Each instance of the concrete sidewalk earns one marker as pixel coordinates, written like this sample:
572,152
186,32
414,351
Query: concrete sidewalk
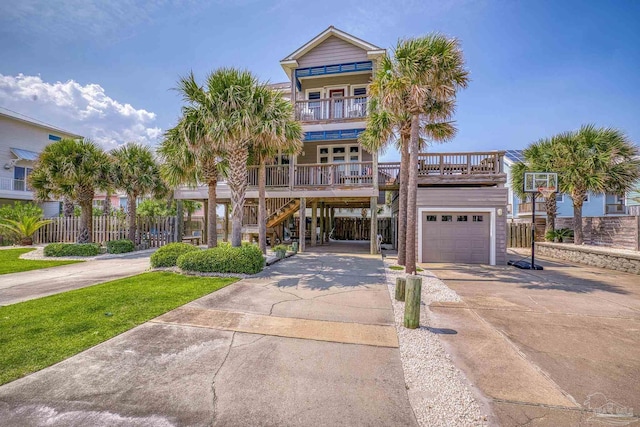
321,351
23,286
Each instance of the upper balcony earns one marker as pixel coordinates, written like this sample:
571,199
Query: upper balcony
350,108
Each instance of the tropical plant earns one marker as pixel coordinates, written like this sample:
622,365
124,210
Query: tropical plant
75,169
597,160
136,172
71,249
245,259
120,246
420,81
190,153
24,228
538,157
276,130
167,255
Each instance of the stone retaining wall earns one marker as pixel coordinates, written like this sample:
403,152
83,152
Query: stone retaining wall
621,260
608,231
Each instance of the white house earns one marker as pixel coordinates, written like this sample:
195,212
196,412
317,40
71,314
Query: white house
21,140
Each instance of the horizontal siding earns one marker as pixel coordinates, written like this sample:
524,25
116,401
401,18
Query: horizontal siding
471,198
332,51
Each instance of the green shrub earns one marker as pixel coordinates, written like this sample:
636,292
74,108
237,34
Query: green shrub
167,255
246,259
71,249
120,246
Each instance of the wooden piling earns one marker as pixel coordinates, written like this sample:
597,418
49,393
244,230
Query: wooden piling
412,302
401,284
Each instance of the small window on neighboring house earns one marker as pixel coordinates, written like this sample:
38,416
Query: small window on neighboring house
324,151
586,197
314,96
353,149
54,138
123,203
478,218
338,150
559,198
447,218
462,218
431,218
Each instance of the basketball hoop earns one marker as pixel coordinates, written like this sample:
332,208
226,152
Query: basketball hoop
546,191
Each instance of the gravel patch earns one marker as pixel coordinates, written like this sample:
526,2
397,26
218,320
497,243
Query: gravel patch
437,390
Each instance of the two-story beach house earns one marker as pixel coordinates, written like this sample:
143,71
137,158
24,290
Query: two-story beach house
462,201
594,204
21,140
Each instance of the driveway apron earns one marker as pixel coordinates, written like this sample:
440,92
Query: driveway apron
310,341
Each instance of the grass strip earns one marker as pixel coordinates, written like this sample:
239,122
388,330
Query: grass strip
38,333
11,263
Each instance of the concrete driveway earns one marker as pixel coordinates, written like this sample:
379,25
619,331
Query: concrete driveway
310,342
546,347
26,285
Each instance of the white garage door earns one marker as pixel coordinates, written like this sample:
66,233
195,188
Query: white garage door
456,237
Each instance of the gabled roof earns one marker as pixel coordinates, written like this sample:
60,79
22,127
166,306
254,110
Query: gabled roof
332,31
30,120
291,61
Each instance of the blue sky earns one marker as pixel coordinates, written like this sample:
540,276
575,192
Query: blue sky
106,69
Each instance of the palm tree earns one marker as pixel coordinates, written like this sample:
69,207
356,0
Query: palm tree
24,227
538,157
72,168
189,158
420,81
136,172
596,160
276,130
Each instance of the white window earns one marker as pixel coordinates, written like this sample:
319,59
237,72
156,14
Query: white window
559,197
339,153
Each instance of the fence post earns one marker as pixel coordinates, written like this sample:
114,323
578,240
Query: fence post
413,294
401,284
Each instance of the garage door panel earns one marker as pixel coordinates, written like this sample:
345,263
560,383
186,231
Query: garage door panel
458,240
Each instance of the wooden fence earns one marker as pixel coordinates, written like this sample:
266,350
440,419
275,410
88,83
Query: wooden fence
152,232
360,229
518,235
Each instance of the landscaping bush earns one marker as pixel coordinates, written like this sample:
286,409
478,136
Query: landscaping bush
167,255
246,259
71,249
120,246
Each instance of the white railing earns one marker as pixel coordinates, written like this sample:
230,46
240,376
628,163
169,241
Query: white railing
9,184
348,107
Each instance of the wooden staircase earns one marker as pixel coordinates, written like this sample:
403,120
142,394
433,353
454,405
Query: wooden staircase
283,212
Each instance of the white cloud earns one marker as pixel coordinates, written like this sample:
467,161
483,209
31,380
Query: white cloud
86,110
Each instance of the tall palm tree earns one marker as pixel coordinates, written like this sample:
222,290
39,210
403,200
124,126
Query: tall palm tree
420,80
596,160
276,130
190,158
75,169
136,172
538,157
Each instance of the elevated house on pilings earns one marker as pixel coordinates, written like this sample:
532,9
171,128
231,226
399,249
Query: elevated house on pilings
461,200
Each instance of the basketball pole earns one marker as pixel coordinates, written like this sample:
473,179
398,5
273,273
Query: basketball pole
533,232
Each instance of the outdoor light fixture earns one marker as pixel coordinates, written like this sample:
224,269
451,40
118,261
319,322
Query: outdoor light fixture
499,212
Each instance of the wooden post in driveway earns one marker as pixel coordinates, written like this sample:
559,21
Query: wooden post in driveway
303,224
226,223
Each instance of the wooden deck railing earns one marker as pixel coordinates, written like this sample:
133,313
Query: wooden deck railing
459,163
348,107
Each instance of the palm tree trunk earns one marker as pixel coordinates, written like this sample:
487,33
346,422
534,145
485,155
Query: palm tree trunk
131,218
551,208
412,191
107,204
67,207
578,200
402,200
238,185
262,207
212,220
85,200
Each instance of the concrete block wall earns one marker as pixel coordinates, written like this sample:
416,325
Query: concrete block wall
627,262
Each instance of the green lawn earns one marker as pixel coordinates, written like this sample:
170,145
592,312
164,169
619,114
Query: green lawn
10,263
399,267
38,333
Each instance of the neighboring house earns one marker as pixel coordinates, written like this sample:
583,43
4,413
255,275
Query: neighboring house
594,204
462,201
21,140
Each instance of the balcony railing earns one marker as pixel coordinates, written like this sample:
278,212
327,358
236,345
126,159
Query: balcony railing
14,184
459,163
350,107
315,175
526,207
615,208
